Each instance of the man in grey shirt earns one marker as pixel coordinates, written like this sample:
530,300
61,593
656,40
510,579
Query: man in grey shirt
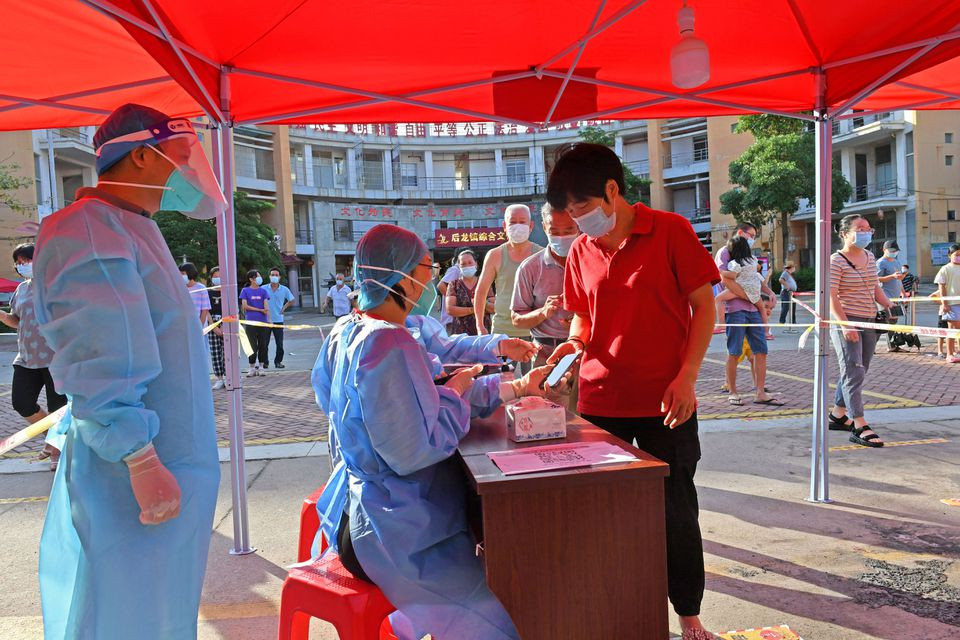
889,272
537,302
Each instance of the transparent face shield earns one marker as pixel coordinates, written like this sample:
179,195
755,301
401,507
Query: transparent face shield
191,187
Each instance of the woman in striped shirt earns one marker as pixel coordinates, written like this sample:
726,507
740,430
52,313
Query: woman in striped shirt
854,295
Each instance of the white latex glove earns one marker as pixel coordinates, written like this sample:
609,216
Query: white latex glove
462,380
154,487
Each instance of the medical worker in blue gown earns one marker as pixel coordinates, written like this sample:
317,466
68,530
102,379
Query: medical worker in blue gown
394,507
124,545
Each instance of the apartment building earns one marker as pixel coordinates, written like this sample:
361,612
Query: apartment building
66,154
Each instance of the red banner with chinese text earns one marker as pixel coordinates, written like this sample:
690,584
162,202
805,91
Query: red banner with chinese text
479,236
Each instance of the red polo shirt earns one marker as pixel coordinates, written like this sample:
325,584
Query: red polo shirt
637,298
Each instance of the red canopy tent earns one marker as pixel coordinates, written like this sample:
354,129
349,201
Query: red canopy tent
533,62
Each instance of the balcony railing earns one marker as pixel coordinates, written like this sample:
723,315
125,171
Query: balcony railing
696,216
685,159
878,190
303,236
639,167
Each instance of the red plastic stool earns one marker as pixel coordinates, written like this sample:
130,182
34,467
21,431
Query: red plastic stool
326,590
309,524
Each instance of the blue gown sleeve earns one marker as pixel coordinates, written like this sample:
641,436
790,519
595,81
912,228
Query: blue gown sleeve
412,423
484,395
96,318
457,349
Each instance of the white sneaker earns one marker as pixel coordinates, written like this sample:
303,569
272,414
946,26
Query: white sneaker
253,372
218,384
260,371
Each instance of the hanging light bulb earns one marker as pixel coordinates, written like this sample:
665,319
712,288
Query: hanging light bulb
689,58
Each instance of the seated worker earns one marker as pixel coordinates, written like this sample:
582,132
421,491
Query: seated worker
394,507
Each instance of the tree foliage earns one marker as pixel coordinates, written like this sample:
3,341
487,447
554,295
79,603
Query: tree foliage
776,172
10,184
638,188
196,240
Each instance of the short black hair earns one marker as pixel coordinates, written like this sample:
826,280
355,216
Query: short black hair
277,269
253,273
743,226
581,171
190,270
24,251
906,266
954,248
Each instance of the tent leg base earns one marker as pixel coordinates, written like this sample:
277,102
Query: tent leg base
243,552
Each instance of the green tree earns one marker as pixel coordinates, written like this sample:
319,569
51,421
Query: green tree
197,239
10,184
638,188
775,172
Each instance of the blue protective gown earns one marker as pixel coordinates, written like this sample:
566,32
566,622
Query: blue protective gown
129,353
393,433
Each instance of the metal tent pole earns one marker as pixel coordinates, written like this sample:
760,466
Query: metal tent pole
52,169
226,245
819,468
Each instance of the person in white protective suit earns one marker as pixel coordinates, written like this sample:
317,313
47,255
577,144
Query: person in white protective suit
124,545
394,507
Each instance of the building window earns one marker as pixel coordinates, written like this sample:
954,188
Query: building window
948,138
733,128
951,214
951,236
516,171
408,174
342,230
948,160
700,149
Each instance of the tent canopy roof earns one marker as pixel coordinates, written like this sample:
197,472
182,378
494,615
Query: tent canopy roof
69,62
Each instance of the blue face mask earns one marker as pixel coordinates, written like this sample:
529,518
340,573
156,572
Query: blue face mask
25,270
258,280
179,195
427,299
468,272
864,238
215,281
749,240
597,223
560,245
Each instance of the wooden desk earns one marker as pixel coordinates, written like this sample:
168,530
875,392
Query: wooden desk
574,554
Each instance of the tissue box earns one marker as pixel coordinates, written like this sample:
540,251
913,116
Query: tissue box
535,419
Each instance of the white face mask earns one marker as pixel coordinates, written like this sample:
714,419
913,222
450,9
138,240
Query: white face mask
597,223
468,272
518,233
185,278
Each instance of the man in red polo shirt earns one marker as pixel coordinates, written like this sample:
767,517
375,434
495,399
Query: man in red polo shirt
640,285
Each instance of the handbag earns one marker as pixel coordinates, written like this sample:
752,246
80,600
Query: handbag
881,317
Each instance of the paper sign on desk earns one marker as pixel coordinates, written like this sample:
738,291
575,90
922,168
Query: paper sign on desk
558,456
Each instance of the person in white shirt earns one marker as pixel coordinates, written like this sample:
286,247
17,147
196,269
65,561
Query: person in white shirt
337,296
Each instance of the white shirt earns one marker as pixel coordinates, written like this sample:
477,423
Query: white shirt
341,303
451,276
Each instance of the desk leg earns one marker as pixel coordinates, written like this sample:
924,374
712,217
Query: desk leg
580,562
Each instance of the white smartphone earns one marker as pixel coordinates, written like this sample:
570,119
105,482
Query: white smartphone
560,369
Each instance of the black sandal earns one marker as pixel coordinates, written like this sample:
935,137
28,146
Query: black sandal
866,441
839,424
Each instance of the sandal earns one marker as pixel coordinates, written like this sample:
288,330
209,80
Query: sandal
697,634
839,424
872,440
735,400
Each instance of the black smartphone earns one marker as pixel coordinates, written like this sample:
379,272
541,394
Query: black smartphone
560,369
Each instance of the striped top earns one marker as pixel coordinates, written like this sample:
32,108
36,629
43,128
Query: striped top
856,288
